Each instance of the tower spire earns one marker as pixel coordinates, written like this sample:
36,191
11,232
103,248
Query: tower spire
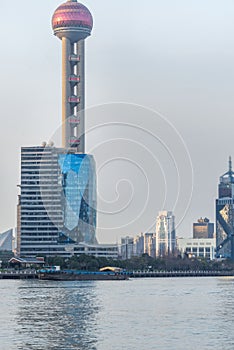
230,164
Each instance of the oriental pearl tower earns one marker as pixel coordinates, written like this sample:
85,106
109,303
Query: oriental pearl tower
72,22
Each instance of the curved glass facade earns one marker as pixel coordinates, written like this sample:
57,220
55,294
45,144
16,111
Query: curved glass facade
78,196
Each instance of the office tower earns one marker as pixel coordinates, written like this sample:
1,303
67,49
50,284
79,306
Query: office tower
57,203
6,241
224,215
150,244
127,247
203,228
139,245
165,234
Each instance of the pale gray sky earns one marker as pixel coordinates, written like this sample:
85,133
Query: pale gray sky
173,56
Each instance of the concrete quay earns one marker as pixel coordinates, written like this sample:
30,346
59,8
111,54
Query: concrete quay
164,274
18,275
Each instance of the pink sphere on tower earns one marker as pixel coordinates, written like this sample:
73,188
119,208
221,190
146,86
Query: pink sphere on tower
72,20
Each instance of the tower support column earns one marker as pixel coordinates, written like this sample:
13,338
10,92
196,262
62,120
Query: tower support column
66,90
81,94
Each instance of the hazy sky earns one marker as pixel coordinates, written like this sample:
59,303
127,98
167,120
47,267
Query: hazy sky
173,56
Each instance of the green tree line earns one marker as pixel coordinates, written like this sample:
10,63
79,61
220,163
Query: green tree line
143,263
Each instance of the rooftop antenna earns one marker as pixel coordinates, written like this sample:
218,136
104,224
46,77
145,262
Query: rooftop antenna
230,168
230,164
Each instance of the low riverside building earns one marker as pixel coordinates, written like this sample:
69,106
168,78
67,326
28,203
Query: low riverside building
27,263
97,250
197,247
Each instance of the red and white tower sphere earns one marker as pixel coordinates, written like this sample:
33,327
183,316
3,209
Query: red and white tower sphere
72,22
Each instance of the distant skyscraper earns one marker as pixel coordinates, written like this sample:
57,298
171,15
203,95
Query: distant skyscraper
225,215
57,203
165,234
139,245
150,244
6,241
127,247
203,228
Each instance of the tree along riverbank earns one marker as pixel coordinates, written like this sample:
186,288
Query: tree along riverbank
143,263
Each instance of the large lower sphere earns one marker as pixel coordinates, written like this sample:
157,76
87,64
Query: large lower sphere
72,20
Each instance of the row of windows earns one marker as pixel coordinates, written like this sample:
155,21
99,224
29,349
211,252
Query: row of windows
195,250
34,217
38,160
41,242
35,230
34,250
38,224
199,244
27,237
39,211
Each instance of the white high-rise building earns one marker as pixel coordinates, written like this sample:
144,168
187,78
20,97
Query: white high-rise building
149,244
165,234
127,247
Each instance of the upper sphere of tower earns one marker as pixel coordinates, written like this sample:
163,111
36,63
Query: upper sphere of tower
72,20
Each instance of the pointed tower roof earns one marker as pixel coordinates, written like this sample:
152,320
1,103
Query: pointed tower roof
229,175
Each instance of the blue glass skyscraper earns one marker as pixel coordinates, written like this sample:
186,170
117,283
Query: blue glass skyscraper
57,206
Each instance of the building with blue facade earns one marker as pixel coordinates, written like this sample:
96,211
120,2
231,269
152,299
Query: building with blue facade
57,203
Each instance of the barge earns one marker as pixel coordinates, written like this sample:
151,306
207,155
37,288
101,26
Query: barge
70,275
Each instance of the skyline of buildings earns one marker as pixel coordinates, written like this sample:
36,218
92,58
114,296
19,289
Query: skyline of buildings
45,95
146,243
73,138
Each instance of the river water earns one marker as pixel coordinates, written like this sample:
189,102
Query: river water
140,314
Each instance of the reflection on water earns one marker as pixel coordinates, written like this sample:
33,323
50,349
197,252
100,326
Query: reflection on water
38,315
56,315
141,314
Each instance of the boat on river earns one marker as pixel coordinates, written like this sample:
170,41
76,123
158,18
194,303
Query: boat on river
74,275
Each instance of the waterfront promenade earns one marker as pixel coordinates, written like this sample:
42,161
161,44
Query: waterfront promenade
18,275
33,274
165,274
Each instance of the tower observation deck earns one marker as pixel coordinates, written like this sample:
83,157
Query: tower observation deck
72,22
